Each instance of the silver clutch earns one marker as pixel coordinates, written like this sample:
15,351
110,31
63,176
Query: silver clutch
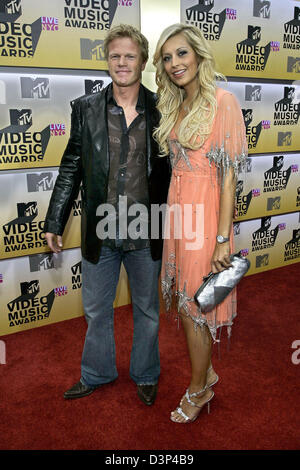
216,287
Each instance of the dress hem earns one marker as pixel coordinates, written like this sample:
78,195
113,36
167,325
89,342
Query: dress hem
198,321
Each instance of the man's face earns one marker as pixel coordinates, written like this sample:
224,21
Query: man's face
125,62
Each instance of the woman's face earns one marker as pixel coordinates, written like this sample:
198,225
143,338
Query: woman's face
180,61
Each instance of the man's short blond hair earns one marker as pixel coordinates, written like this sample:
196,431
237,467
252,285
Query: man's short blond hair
127,31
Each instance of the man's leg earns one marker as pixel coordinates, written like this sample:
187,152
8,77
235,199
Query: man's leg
99,283
143,275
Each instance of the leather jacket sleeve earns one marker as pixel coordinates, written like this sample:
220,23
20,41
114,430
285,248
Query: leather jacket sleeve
69,177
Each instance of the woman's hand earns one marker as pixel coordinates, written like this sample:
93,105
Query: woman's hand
221,257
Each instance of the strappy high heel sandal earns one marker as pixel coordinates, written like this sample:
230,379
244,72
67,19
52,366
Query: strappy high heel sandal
208,385
188,397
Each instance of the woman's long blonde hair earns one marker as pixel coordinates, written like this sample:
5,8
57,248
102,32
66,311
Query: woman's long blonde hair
196,126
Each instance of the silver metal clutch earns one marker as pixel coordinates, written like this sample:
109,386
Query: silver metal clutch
216,287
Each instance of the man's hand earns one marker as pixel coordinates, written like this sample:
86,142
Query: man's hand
220,259
54,242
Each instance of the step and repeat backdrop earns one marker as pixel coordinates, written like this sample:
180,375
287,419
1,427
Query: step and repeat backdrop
256,44
44,288
250,38
60,33
52,53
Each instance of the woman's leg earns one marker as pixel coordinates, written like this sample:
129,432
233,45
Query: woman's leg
199,344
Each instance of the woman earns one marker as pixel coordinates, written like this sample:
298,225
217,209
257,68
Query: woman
202,128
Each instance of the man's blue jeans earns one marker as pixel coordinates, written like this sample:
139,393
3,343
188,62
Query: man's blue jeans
99,283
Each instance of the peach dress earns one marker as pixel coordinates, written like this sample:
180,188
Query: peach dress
193,213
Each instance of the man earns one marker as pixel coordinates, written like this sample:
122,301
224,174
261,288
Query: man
112,155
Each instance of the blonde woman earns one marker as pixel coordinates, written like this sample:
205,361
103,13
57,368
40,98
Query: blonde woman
202,128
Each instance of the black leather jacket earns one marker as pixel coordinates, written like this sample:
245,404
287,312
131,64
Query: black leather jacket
85,164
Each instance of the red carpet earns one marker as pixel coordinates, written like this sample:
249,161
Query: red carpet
256,404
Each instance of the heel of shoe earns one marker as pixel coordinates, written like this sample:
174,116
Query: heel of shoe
208,403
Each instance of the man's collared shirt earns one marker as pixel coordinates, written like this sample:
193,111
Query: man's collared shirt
128,182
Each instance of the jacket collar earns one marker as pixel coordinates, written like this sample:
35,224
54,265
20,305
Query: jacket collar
140,105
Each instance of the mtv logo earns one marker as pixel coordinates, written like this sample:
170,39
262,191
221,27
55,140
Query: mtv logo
297,13
90,49
262,260
248,165
278,162
296,234
26,213
296,84
239,187
41,262
254,33
236,229
35,87
40,182
261,8
265,223
27,209
284,138
273,203
206,3
10,10
30,287
10,7
293,64
93,86
248,116
21,117
289,93
253,93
